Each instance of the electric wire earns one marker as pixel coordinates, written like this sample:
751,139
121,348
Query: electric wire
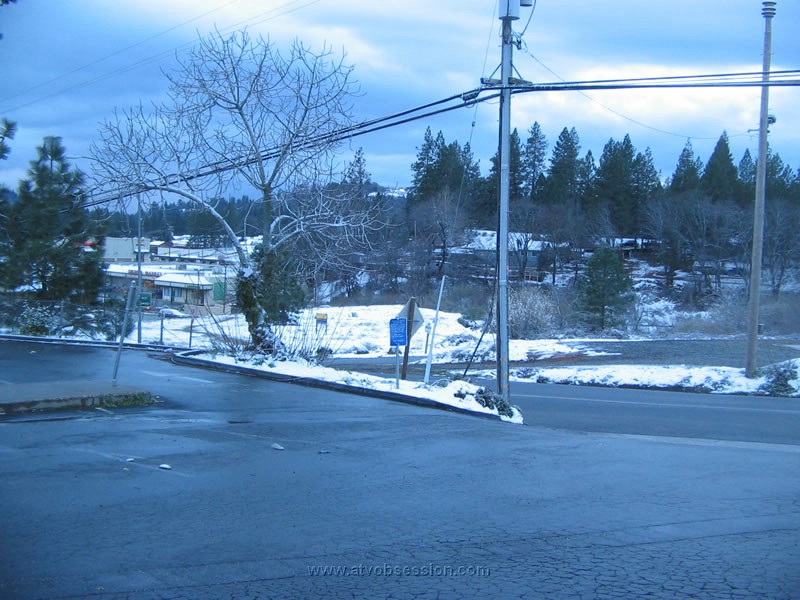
606,107
467,99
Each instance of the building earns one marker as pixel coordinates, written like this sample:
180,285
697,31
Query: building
125,249
189,287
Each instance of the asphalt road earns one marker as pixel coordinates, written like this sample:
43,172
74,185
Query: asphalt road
729,352
374,499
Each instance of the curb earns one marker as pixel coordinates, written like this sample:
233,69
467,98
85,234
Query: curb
33,397
187,358
78,342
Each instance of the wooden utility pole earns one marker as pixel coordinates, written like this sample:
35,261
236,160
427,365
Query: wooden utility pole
412,304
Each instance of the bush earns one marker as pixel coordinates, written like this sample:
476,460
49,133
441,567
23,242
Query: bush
533,312
38,319
489,399
726,314
782,379
97,322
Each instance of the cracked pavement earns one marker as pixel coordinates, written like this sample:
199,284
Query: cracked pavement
372,499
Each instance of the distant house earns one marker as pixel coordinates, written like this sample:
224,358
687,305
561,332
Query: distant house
173,284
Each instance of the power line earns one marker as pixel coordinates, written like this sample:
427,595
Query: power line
466,99
359,129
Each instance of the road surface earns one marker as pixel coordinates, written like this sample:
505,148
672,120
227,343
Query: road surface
373,499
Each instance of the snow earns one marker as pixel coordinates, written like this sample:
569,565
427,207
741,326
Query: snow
363,332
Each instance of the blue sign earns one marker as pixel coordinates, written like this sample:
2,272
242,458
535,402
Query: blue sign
398,332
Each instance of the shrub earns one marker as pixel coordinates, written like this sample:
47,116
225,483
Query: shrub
533,312
782,379
489,399
38,319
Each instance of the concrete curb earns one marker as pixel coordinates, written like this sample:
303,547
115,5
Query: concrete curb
77,342
43,398
188,358
20,398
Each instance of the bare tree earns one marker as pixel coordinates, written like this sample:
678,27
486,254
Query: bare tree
662,224
781,242
242,113
439,227
524,220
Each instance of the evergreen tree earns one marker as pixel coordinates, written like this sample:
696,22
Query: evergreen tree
746,180
687,172
533,166
423,184
562,186
356,173
719,180
605,289
280,296
646,186
587,174
780,176
7,131
441,166
516,181
614,185
56,248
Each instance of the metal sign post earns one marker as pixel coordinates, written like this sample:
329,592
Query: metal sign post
128,306
398,336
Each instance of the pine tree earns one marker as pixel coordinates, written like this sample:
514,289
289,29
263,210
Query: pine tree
614,185
426,158
7,131
780,176
49,231
562,186
746,180
516,180
356,173
533,165
440,167
605,289
646,186
687,173
719,180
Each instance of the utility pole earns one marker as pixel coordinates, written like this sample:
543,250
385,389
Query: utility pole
509,11
768,11
139,267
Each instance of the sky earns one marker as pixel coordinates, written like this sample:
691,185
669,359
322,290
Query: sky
67,66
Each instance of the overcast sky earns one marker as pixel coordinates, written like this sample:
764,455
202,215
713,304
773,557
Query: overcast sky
67,65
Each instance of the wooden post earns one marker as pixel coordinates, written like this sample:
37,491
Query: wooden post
412,303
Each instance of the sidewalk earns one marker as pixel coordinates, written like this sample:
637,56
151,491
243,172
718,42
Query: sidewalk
52,395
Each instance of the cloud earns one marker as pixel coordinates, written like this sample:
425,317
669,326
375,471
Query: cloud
68,65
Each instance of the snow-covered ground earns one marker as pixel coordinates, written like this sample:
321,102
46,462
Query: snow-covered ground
363,332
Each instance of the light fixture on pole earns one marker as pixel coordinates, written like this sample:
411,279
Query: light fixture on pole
768,11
